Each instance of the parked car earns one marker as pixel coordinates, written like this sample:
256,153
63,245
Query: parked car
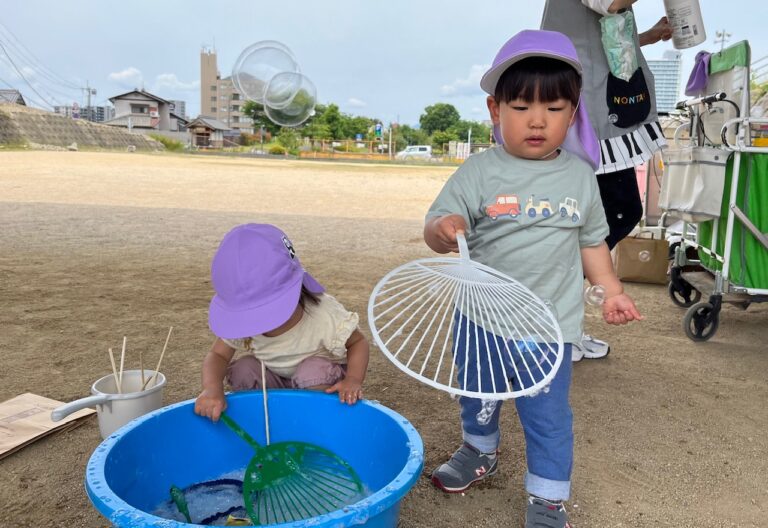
415,152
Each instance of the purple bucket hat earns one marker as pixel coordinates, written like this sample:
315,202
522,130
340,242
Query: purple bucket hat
581,139
257,277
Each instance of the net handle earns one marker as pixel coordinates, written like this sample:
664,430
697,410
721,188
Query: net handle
463,248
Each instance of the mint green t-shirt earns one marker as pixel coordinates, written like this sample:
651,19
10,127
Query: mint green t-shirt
529,219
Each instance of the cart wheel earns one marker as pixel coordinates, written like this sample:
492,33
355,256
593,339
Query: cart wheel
684,297
701,321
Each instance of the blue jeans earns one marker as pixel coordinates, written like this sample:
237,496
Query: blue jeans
546,418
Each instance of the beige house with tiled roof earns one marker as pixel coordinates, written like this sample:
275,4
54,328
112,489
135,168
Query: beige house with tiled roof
12,96
207,132
144,111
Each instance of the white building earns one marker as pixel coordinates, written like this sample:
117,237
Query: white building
179,108
666,72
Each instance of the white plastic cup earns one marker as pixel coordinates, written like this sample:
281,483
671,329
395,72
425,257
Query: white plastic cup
687,25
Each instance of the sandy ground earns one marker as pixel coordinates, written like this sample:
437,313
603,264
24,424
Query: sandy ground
97,246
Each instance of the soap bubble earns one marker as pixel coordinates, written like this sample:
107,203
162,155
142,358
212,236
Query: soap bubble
290,99
644,256
282,89
595,295
258,64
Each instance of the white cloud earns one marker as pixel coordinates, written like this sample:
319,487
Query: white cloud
169,80
9,71
130,77
470,85
356,103
478,110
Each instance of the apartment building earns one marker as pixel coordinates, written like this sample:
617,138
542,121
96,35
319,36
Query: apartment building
666,72
179,108
218,97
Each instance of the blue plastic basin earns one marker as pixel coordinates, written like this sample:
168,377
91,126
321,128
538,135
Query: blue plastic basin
131,471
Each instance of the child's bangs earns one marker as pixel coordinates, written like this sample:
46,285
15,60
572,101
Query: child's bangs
539,79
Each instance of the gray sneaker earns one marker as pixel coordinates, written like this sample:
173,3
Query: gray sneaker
542,513
590,348
466,466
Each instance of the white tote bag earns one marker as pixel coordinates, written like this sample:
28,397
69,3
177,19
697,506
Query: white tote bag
692,186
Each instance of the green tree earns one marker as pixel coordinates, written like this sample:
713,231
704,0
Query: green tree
480,132
259,117
289,138
411,136
441,138
332,117
439,116
359,125
316,130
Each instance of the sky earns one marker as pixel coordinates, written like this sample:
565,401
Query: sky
385,60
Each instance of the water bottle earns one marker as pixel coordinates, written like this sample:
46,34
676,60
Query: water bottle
687,25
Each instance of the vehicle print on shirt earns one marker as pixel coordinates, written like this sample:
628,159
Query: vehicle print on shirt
570,207
506,204
543,207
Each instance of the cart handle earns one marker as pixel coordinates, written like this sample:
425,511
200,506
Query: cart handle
744,122
706,99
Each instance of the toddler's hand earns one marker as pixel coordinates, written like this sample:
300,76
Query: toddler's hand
350,390
620,309
446,229
211,404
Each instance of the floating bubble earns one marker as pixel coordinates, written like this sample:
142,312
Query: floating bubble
290,99
282,89
258,64
594,295
644,256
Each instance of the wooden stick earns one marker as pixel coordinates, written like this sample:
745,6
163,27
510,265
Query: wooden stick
157,369
264,397
114,370
122,362
141,367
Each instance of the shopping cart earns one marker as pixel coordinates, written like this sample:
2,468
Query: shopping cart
717,184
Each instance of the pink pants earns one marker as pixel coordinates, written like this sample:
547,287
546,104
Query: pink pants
245,374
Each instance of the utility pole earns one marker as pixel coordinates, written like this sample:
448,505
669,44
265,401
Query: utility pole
469,141
89,92
229,107
722,37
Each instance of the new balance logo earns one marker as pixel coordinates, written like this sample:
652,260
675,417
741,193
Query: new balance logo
481,471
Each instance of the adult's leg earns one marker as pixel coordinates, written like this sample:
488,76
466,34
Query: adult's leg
622,204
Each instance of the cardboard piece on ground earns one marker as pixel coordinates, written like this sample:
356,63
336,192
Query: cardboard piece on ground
27,418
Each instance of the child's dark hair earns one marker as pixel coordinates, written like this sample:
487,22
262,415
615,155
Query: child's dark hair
539,79
307,297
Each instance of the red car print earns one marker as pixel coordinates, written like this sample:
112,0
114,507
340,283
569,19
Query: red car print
506,204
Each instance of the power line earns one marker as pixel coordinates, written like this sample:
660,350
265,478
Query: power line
9,85
50,91
43,69
22,76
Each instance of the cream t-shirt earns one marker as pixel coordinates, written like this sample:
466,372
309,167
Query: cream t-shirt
323,331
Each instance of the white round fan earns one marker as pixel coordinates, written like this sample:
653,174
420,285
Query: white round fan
424,316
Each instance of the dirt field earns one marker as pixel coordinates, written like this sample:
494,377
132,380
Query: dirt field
97,246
